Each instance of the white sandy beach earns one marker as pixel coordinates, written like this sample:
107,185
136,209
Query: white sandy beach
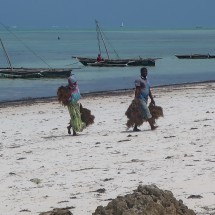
67,171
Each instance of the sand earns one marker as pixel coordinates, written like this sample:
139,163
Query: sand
42,167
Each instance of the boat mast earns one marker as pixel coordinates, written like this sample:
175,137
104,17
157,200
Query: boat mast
98,38
7,57
100,33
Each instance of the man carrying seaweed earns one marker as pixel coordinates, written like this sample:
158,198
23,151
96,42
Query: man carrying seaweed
142,92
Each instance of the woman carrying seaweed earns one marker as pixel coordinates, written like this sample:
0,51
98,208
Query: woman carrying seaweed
69,96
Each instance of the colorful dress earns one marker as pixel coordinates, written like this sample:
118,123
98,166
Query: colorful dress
74,109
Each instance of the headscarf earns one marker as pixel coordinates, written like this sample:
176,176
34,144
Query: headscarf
72,80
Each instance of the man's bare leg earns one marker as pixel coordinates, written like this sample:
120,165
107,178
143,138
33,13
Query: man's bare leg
151,123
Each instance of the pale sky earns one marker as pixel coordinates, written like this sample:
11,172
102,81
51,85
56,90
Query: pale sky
111,13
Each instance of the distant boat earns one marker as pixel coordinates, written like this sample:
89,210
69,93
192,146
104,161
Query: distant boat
26,73
195,56
116,63
108,62
12,72
122,25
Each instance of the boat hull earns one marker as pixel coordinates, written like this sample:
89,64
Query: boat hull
195,56
34,73
116,62
101,64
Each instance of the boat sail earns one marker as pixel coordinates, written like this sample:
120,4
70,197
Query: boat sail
108,62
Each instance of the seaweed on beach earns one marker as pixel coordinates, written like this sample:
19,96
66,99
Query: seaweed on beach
135,117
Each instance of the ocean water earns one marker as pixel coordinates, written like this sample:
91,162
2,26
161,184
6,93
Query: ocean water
41,48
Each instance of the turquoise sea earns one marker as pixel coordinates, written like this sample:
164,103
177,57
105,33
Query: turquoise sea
26,48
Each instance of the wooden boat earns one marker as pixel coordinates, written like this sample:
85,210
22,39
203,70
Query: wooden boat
195,56
108,62
34,73
116,62
105,64
26,73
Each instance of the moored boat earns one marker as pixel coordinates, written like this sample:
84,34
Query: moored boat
26,73
116,62
105,64
12,72
195,56
108,62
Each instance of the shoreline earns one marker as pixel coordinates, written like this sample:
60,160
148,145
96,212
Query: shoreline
91,94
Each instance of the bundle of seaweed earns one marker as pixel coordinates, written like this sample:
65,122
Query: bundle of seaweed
86,116
135,117
156,111
62,95
133,114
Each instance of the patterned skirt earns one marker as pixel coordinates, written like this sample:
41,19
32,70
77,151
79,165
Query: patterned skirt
75,117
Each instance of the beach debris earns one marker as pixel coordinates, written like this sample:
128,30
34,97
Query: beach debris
108,179
148,199
188,155
58,211
88,168
209,160
134,115
125,140
194,197
22,158
101,190
14,146
27,152
25,210
135,161
169,136
63,201
115,152
12,173
108,199
36,180
169,157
